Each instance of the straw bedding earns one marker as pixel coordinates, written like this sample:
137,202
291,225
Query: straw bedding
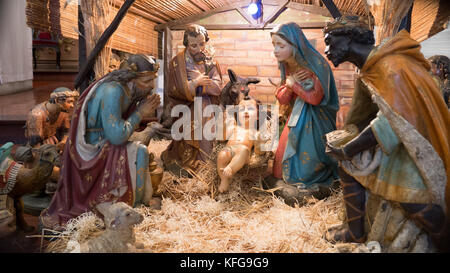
194,218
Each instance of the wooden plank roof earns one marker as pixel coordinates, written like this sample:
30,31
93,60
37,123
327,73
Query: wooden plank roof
60,16
169,10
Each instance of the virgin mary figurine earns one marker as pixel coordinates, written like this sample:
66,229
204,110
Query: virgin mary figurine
308,88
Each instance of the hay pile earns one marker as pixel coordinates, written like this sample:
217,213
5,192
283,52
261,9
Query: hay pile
194,218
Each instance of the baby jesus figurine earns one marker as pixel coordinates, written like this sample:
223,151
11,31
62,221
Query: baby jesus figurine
242,137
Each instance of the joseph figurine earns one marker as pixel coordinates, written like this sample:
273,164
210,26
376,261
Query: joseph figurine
192,74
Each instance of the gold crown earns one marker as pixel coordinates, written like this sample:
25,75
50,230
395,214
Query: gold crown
133,67
346,21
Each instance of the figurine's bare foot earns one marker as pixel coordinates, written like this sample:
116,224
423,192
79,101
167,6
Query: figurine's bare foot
228,172
224,184
342,234
220,172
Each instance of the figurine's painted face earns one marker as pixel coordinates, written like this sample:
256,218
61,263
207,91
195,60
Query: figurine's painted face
67,105
337,48
436,69
145,83
282,49
248,111
196,47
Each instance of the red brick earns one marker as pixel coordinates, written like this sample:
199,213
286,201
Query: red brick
347,84
214,34
345,92
234,34
269,61
248,61
232,53
223,43
258,35
225,60
268,71
344,75
259,54
265,90
253,45
244,70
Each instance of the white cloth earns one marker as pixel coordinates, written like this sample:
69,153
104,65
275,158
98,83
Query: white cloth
16,55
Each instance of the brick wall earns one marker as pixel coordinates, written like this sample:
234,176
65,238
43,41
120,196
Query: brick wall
250,54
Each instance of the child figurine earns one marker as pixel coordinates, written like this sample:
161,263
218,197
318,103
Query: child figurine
239,146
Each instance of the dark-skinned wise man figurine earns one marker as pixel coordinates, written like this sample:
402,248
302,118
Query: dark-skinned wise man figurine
400,126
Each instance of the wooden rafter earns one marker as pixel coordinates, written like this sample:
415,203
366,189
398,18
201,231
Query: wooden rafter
88,65
180,23
200,16
156,17
304,25
309,8
272,17
247,17
199,4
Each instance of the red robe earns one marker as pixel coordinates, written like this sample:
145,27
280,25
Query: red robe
84,184
286,95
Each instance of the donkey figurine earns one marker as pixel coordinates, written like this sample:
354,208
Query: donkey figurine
236,89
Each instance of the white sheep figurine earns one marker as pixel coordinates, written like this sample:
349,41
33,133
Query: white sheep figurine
119,235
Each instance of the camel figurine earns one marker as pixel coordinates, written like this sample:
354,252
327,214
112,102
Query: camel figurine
23,181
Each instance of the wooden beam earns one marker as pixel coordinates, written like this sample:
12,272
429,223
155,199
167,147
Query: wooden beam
334,11
309,8
271,2
200,5
272,17
191,19
313,9
82,47
305,25
247,17
88,66
147,14
167,58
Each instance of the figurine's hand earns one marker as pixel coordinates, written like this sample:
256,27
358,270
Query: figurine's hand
149,105
336,153
203,81
60,146
302,75
51,140
290,81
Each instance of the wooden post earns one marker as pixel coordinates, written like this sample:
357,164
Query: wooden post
81,47
167,58
87,68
